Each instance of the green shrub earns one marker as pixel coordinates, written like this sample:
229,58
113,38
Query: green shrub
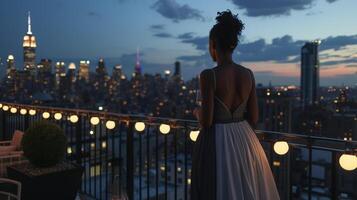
44,144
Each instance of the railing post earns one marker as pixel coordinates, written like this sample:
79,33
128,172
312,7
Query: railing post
79,141
26,122
334,180
3,124
310,169
130,161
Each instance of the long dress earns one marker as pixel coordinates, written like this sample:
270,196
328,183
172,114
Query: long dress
229,162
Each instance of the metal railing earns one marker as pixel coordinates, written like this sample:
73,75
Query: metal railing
150,158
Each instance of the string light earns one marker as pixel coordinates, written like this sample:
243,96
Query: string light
348,162
58,116
281,147
23,111
139,126
194,135
46,115
110,124
73,118
164,128
5,108
32,112
0,105
13,110
94,120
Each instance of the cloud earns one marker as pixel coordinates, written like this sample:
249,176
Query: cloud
157,27
200,43
258,8
163,35
176,12
186,36
338,42
336,62
284,49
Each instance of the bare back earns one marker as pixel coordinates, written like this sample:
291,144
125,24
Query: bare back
233,86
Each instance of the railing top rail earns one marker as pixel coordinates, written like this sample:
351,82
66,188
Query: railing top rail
191,124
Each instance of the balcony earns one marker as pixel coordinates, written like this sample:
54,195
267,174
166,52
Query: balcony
150,158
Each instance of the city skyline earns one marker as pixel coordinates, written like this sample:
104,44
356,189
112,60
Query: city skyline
276,61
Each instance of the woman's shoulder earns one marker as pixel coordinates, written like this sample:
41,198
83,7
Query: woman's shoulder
246,71
206,72
243,68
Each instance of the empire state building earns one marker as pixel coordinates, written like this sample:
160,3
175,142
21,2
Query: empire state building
29,45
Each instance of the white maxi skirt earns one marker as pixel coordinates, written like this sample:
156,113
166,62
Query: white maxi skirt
242,168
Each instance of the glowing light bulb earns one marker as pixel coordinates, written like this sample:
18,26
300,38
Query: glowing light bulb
58,116
23,111
348,162
164,128
32,112
94,120
194,135
13,110
46,115
5,108
139,126
281,147
110,124
73,118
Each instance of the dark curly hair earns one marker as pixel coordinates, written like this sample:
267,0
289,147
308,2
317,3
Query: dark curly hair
226,31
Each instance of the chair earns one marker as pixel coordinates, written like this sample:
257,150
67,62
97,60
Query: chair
10,189
13,144
10,152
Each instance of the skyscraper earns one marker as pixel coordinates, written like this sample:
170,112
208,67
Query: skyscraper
177,69
83,73
310,67
101,70
29,45
45,66
11,70
71,73
60,73
137,70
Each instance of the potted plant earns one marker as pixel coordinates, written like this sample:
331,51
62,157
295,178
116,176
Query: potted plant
47,175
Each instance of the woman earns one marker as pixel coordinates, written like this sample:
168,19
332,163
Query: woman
229,163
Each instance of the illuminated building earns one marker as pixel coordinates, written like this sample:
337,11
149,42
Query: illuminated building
83,73
11,69
60,73
44,76
45,66
101,70
114,82
117,72
310,68
29,46
137,70
71,73
101,78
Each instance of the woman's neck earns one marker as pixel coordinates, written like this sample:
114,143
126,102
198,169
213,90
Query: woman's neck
224,59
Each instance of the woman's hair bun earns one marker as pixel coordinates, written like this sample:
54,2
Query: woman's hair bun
230,21
227,30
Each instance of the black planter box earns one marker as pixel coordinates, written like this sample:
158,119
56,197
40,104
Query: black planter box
60,183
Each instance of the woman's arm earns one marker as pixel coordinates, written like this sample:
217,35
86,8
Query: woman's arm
205,114
252,105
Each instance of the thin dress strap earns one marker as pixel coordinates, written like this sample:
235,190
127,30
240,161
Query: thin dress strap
214,80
